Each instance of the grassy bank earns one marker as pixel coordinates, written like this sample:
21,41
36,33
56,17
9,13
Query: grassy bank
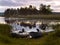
49,39
51,17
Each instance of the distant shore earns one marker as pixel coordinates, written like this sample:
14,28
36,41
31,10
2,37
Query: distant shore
36,17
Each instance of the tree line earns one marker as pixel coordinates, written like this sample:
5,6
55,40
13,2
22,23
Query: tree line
43,9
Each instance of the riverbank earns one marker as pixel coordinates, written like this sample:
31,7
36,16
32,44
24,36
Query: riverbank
45,17
47,39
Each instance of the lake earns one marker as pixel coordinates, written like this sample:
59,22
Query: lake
39,21
2,20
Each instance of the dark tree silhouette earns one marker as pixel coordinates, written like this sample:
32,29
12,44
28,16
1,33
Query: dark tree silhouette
45,9
31,10
7,12
30,7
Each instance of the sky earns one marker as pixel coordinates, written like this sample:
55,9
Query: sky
4,4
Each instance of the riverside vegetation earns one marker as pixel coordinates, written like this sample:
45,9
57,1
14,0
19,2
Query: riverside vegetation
52,38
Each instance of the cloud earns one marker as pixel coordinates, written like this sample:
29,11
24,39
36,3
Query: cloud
9,3
21,2
55,4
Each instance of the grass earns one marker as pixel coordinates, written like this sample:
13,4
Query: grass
50,39
51,17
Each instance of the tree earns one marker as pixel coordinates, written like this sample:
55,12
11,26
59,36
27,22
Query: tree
45,9
7,12
30,7
49,10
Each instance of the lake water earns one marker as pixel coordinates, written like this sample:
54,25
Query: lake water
51,22
2,20
18,27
